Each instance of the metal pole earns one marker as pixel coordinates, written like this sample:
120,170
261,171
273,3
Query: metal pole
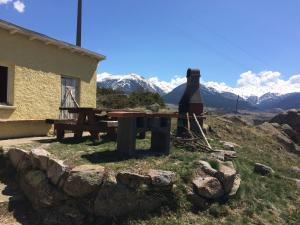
79,23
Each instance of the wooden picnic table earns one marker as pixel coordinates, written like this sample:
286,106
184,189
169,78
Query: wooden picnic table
87,120
130,123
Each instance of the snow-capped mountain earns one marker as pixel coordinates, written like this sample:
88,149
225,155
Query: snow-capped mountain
129,83
214,94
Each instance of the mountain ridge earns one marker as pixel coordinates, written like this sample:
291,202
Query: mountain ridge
212,96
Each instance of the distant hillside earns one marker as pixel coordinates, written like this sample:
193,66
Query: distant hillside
211,98
287,101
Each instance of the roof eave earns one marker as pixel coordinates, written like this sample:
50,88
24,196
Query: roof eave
14,29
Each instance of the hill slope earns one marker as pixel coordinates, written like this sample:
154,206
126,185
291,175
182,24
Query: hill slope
211,98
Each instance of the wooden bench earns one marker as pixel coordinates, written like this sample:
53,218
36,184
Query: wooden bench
109,127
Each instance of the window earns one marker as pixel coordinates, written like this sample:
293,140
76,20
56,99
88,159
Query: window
3,84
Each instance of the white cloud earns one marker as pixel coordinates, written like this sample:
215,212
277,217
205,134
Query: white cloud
3,2
251,83
19,6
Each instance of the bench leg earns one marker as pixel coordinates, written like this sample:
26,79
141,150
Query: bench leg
126,139
78,134
60,134
112,133
161,135
95,135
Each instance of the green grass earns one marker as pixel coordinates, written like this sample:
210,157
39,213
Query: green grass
260,199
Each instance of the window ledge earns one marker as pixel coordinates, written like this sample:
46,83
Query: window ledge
8,107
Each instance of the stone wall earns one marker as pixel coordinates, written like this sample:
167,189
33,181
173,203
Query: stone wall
86,193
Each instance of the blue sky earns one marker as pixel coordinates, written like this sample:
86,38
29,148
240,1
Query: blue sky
162,38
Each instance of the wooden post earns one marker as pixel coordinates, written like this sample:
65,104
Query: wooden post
237,103
126,136
161,135
201,131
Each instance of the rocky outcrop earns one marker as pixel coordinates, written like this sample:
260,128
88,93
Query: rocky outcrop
290,121
79,195
211,184
276,130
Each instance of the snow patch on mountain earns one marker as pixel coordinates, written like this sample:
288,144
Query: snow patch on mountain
129,83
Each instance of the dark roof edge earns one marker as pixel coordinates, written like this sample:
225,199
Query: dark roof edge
12,28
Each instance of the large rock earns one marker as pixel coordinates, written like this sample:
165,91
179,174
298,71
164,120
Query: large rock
236,185
289,131
57,171
263,169
208,187
63,215
132,179
39,158
84,180
275,130
205,168
226,175
290,117
40,193
18,158
197,201
118,200
161,178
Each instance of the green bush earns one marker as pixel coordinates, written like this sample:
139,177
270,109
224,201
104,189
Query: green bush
116,99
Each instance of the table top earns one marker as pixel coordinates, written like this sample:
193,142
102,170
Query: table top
126,114
82,110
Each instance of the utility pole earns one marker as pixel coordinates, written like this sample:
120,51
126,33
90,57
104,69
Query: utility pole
237,104
79,23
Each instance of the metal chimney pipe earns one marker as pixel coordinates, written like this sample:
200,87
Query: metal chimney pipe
79,23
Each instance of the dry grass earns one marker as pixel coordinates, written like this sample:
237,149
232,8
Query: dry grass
260,200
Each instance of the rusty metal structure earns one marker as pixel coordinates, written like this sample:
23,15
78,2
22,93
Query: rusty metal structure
191,103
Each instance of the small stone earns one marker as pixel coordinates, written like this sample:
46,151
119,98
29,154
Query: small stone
154,107
224,155
84,180
208,187
56,170
229,145
263,169
39,158
132,179
160,178
295,170
236,185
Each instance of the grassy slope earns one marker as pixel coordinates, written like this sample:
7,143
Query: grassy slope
260,200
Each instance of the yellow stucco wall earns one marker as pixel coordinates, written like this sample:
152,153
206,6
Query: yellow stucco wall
35,79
